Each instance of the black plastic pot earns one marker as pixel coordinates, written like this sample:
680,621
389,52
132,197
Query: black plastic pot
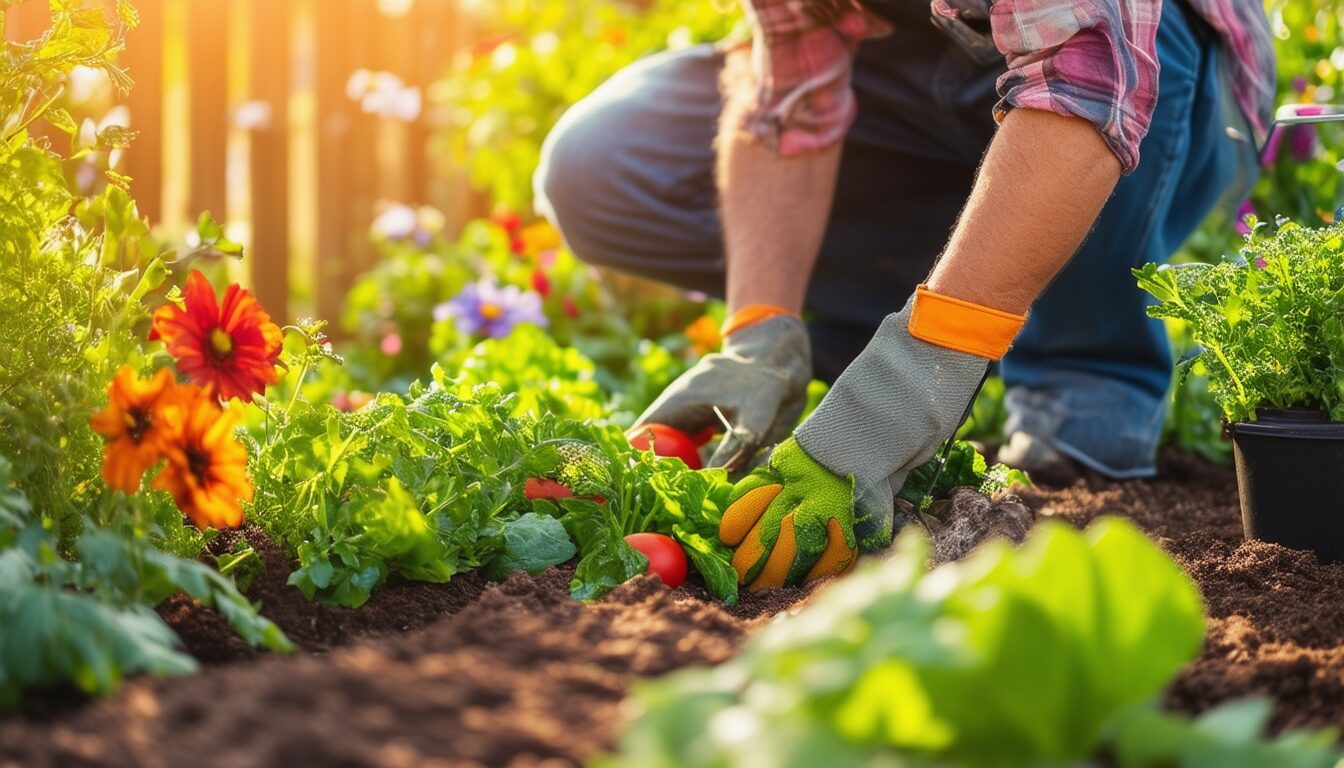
1290,475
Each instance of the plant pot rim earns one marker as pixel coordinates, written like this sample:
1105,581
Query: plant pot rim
1291,424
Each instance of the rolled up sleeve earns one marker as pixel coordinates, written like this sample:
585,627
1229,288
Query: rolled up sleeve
1096,60
801,72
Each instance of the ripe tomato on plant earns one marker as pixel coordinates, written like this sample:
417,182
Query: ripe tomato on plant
544,488
667,441
666,557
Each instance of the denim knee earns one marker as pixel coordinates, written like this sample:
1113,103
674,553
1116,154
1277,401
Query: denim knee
576,158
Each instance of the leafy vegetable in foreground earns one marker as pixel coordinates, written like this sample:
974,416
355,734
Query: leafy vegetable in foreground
1048,655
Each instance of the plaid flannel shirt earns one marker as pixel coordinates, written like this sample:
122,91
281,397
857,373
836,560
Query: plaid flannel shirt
1093,59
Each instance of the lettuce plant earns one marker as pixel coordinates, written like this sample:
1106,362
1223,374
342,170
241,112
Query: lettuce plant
1051,655
1270,320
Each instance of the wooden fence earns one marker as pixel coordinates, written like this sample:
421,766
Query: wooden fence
299,177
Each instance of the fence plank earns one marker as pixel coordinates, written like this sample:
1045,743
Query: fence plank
364,136
437,29
393,51
207,24
144,60
334,118
269,82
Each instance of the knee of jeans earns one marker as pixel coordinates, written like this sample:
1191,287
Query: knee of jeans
573,180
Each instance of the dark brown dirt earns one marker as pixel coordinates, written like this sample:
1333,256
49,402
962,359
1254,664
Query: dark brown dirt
522,676
470,674
397,606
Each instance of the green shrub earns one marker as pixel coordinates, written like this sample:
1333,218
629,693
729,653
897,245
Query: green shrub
1270,320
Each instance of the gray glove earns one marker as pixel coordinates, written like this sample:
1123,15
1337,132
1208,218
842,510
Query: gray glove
888,413
759,380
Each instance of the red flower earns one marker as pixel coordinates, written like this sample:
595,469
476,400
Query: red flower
507,220
231,348
571,308
541,284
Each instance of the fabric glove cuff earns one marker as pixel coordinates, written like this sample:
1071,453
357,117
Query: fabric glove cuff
751,315
961,325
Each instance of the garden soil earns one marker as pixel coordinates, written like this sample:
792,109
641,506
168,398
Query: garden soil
517,674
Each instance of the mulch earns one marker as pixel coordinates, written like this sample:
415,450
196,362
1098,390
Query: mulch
517,674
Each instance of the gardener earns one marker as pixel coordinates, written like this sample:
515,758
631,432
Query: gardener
824,175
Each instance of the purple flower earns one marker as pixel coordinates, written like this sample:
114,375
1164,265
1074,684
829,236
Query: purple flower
491,310
1302,142
1245,210
1260,262
1300,85
1302,138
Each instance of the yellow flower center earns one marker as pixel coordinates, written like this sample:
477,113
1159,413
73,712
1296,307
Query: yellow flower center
491,311
221,343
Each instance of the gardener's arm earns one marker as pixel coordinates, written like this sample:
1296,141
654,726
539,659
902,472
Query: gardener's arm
774,207
1040,188
1081,87
788,105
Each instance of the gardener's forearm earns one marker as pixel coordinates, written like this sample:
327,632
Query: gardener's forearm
774,212
1040,188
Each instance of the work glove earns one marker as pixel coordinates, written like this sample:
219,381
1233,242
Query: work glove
827,493
758,380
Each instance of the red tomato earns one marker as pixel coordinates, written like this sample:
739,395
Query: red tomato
541,488
667,441
666,557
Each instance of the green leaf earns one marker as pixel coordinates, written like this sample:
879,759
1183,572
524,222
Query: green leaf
533,543
52,635
606,561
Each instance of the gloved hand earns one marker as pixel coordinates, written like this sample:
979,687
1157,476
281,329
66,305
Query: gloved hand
792,520
759,380
891,409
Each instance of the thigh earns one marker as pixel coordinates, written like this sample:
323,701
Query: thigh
627,174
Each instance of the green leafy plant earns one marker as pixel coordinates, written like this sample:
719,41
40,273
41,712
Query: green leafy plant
429,484
963,467
534,61
1269,320
81,566
1053,654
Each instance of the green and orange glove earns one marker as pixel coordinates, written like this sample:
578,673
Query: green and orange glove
792,520
758,381
827,493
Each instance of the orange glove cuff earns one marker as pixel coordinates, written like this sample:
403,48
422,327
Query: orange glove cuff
750,315
963,326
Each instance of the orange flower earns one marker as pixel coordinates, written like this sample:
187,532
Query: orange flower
704,334
231,349
206,471
133,423
539,237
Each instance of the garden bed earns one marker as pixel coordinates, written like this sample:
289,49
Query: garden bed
471,673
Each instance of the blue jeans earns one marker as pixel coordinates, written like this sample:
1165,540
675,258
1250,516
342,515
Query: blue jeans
627,175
